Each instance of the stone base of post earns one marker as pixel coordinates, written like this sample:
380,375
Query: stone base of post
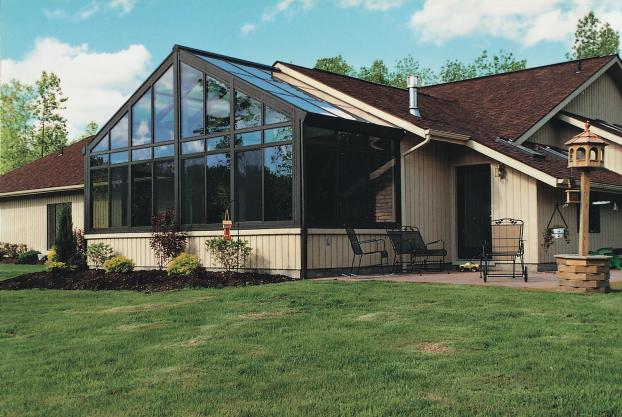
587,274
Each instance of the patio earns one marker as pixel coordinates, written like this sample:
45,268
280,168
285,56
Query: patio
537,280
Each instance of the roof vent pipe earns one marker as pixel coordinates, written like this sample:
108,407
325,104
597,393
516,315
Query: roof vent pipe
412,92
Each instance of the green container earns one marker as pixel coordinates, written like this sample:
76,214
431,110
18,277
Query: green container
614,262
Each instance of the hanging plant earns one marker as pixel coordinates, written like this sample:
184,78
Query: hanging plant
552,233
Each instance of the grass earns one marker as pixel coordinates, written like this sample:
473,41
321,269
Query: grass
313,348
12,270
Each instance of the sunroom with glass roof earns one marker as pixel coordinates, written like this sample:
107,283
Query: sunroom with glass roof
205,134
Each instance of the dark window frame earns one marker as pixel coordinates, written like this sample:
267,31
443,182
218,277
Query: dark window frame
53,210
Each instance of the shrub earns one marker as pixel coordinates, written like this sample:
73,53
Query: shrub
20,249
29,257
185,264
51,266
65,243
119,264
230,254
79,259
166,240
98,253
3,251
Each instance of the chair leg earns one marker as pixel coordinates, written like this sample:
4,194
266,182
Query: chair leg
352,266
358,270
513,267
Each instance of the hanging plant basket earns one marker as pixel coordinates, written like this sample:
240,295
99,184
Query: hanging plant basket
554,232
559,232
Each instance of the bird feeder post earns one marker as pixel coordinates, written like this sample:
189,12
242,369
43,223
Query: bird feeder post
584,272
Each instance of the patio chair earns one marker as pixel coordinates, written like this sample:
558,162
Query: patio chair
358,250
506,245
408,241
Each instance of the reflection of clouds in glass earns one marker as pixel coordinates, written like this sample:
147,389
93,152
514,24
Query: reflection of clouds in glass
143,129
217,107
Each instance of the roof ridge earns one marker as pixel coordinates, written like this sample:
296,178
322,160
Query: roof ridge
224,57
612,56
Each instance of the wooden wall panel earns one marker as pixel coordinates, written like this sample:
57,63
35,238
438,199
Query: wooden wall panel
601,100
24,219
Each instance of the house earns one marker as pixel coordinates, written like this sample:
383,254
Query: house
295,154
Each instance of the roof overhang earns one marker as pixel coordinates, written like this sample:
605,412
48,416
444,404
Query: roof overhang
42,191
579,121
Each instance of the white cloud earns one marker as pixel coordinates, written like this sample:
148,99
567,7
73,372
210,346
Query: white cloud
96,83
248,28
381,5
288,7
527,22
125,6
88,10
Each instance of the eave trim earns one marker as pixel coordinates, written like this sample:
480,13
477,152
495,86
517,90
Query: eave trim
43,190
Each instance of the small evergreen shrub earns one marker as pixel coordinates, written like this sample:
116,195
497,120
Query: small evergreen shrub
167,240
65,243
230,254
29,257
98,253
119,264
51,266
184,264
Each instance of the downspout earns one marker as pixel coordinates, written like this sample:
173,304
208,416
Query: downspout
426,139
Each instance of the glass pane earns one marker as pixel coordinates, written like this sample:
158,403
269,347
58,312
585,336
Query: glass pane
163,151
163,106
194,146
141,120
99,198
278,183
280,134
218,186
193,191
247,111
118,134
51,223
118,196
304,105
248,138
164,187
218,106
219,142
118,157
248,185
191,101
141,194
141,154
272,116
102,145
97,160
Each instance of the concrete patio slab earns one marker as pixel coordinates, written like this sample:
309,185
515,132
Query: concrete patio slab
537,280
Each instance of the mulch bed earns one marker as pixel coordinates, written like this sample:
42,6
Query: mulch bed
147,281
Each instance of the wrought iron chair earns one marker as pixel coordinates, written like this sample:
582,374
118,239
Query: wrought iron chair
506,245
409,241
357,250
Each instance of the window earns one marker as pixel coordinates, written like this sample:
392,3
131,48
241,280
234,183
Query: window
218,185
280,134
99,198
247,111
163,105
141,120
191,101
248,185
248,138
118,196
594,221
141,194
118,134
218,106
164,186
193,183
53,220
272,116
278,183
352,179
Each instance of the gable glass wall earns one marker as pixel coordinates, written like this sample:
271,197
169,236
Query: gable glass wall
201,145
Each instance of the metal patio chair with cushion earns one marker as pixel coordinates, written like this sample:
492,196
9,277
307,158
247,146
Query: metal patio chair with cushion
377,247
506,245
408,241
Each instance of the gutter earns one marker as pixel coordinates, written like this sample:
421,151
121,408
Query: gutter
43,190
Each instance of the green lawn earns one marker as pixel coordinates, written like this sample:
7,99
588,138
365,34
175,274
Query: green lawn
11,270
311,348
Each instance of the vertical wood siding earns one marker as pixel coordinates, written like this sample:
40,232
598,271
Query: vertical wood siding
601,100
610,224
273,249
24,219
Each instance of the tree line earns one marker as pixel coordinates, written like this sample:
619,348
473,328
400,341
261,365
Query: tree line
32,124
592,38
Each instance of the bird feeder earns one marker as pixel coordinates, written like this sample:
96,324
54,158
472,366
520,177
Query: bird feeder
586,150
226,226
573,196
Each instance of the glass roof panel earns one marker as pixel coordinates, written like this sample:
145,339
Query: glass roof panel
263,79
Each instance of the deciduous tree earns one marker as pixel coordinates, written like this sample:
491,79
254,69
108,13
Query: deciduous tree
51,126
594,38
16,131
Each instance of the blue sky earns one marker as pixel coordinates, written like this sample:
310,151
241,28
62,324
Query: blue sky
102,49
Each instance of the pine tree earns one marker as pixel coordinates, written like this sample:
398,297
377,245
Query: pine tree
65,243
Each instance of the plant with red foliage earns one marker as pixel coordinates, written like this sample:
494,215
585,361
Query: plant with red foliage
167,240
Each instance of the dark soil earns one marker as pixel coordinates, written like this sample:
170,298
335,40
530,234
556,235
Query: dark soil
148,281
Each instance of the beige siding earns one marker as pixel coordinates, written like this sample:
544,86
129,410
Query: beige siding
610,224
274,249
601,100
24,219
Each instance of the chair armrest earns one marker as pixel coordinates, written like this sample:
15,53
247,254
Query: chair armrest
436,241
377,241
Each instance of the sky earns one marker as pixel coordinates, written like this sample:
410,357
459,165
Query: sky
103,49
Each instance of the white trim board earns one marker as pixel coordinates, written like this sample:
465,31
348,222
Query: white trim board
43,190
605,134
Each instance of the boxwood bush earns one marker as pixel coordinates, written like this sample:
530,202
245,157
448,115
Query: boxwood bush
184,264
119,264
29,257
